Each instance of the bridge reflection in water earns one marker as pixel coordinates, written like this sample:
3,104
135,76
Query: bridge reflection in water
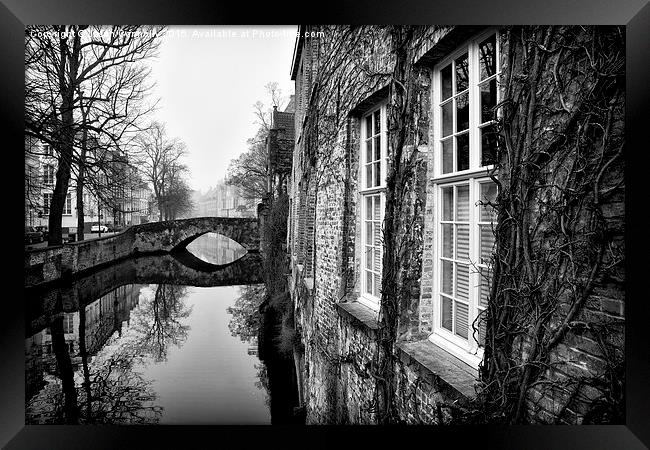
154,339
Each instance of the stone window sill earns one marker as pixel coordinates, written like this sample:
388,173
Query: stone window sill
440,366
432,363
359,314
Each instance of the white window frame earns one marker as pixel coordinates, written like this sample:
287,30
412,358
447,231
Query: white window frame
470,47
365,298
49,174
466,350
67,206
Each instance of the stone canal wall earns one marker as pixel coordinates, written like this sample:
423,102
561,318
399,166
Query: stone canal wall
52,263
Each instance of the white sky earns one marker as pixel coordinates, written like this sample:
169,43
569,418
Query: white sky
207,85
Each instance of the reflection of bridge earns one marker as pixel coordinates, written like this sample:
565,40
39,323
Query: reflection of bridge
177,268
49,264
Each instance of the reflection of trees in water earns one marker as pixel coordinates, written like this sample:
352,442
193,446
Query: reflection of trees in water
159,323
118,393
111,390
245,324
245,321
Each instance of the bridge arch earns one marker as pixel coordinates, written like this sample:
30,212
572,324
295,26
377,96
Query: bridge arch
172,235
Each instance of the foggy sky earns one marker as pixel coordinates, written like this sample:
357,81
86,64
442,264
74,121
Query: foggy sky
208,78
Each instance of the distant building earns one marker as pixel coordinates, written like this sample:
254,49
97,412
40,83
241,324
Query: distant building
222,200
125,198
279,144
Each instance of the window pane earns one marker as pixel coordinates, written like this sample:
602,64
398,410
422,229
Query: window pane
447,118
369,257
448,156
377,148
377,173
462,151
462,242
446,312
462,73
489,144
377,259
368,150
488,100
488,194
377,205
447,203
484,284
377,285
460,317
369,207
462,281
487,243
445,76
368,233
377,238
447,240
368,126
377,122
487,57
446,277
369,282
462,203
462,112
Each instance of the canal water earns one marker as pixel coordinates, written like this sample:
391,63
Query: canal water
155,353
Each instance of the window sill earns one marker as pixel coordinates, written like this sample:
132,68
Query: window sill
359,315
445,370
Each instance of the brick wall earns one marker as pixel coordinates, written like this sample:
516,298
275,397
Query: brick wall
340,350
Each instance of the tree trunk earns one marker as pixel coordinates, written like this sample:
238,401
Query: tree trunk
66,373
80,190
67,79
84,362
57,202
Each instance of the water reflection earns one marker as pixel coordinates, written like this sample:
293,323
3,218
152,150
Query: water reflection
79,375
214,248
145,354
183,338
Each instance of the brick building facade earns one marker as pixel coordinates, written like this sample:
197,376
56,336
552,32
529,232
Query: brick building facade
402,182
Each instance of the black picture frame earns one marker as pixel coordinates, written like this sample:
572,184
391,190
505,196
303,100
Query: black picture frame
634,14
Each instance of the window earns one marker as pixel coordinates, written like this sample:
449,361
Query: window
67,208
373,162
465,101
464,98
48,150
68,323
48,175
47,199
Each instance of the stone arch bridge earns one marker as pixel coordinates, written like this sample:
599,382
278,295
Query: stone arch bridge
173,235
48,264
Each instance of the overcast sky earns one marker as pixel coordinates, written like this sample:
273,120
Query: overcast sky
208,78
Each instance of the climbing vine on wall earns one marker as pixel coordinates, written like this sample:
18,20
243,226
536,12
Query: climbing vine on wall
560,169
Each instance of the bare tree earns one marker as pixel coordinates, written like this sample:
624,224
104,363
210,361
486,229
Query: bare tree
159,161
61,63
250,170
